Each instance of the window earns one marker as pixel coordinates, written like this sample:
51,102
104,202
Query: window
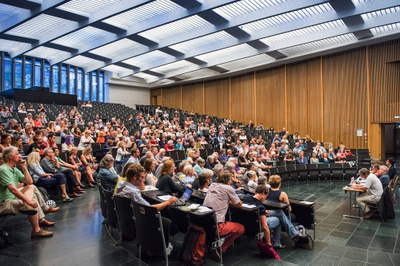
55,79
94,86
72,81
80,83
28,73
7,73
87,87
46,75
38,73
101,87
17,73
64,78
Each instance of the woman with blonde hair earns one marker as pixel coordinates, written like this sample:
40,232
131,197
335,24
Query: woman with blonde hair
165,182
90,163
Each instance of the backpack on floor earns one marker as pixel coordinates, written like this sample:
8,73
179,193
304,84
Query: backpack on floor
194,245
307,243
44,193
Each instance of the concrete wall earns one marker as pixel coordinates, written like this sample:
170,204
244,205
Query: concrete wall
128,95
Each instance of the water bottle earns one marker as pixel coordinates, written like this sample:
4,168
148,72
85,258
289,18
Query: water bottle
352,180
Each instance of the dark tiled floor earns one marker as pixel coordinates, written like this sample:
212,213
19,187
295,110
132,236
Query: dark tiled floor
81,239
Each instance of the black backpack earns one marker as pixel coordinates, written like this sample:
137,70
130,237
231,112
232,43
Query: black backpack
194,245
44,193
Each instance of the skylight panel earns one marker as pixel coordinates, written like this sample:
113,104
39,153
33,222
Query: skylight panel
154,57
208,40
225,53
302,32
317,46
147,77
116,48
87,7
82,61
12,46
201,73
244,7
47,53
142,13
38,26
379,13
175,28
248,62
78,38
7,11
286,18
165,69
386,29
115,69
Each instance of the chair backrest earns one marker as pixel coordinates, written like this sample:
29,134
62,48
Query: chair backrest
149,228
250,219
126,221
110,207
102,202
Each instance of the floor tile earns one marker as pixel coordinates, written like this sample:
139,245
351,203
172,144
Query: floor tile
383,242
325,260
382,258
359,242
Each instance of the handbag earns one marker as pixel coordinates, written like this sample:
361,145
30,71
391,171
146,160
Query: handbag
305,243
266,250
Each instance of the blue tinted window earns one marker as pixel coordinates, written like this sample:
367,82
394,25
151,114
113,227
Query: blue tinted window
101,88
72,80
18,73
28,73
94,86
80,84
55,79
64,78
7,73
87,87
47,75
38,72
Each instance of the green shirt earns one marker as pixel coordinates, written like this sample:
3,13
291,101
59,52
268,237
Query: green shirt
9,176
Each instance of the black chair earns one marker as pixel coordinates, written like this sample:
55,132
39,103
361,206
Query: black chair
126,219
250,219
324,171
150,233
304,213
337,171
284,174
349,171
103,205
293,174
112,220
302,172
313,172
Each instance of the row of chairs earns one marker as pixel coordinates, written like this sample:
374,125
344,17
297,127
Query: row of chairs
308,172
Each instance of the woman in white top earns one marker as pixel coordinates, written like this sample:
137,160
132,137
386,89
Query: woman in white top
85,141
149,166
252,184
121,151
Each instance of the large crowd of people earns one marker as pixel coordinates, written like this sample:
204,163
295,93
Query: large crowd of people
141,159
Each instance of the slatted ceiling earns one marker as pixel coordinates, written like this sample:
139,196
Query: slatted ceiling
81,61
49,52
148,59
203,41
302,32
87,6
249,62
38,26
81,37
262,25
225,53
201,73
319,45
243,7
165,69
116,48
115,69
149,78
380,13
11,46
7,11
181,26
142,13
387,29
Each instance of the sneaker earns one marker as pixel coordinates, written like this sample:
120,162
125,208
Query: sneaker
169,249
41,233
27,209
66,199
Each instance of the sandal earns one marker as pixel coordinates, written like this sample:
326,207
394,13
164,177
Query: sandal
280,246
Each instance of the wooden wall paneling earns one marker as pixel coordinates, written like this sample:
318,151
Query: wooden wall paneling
345,97
216,97
242,98
270,90
192,97
304,93
172,97
385,80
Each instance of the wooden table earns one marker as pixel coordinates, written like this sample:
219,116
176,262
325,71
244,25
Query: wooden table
353,195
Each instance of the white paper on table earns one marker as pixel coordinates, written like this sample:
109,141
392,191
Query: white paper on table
204,209
150,188
245,205
164,197
193,206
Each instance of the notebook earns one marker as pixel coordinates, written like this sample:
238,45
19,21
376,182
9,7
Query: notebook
184,198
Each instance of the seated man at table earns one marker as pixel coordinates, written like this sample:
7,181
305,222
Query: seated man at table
266,220
383,176
219,196
372,191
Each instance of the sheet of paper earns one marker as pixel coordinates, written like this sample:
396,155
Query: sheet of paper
204,209
245,205
164,197
150,188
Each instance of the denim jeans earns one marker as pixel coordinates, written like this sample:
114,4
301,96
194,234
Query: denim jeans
284,220
275,229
